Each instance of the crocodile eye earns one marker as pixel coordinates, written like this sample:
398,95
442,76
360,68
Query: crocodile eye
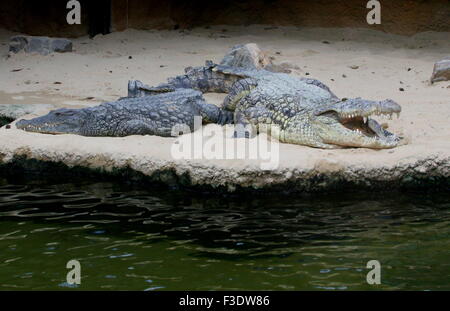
64,113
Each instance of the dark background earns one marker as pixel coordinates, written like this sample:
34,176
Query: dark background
48,17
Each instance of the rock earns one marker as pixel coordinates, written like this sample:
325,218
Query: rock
11,112
441,71
41,45
250,56
60,45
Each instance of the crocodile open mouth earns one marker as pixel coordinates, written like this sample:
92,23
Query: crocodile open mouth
357,128
359,125
365,125
355,119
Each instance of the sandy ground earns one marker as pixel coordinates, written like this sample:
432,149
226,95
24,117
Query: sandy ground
98,70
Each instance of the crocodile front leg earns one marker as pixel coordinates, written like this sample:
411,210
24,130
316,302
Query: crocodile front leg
212,114
244,128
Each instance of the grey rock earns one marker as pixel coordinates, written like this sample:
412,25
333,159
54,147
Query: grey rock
249,56
246,56
41,45
441,71
61,45
17,44
15,111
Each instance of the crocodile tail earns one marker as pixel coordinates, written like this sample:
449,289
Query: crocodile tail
138,89
208,78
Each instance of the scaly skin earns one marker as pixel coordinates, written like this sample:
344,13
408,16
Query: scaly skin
291,109
150,115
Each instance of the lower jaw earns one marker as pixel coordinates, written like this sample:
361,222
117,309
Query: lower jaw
34,130
375,145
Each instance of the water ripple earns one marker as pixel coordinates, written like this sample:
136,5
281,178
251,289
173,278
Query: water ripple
185,241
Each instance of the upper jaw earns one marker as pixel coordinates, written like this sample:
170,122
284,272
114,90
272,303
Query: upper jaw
357,107
28,126
366,109
45,128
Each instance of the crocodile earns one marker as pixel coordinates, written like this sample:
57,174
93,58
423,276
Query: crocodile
291,109
159,114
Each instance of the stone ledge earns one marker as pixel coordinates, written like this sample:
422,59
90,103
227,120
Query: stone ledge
301,169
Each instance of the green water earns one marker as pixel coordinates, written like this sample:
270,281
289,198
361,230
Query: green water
139,239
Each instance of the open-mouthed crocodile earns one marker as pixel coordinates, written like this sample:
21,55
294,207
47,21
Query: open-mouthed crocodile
151,115
292,109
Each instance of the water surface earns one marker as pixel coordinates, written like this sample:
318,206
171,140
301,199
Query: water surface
128,238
